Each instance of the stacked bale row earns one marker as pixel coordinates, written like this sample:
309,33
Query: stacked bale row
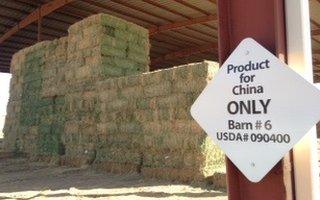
99,47
145,125
52,106
34,101
31,101
102,46
142,123
175,146
12,122
120,130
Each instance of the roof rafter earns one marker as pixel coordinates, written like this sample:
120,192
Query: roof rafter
30,30
48,27
193,7
42,11
34,4
170,10
185,53
153,14
181,24
148,21
24,12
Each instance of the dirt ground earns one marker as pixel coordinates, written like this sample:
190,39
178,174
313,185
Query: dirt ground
20,179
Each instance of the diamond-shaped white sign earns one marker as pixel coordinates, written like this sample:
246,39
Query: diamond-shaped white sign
256,109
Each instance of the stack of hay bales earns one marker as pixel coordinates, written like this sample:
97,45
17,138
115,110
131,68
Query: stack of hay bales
99,47
54,69
103,46
175,146
12,122
83,100
31,102
120,132
52,115
145,125
36,99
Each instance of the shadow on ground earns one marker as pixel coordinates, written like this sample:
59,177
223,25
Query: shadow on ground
23,180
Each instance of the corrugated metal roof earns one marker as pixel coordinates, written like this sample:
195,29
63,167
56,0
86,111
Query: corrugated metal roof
147,13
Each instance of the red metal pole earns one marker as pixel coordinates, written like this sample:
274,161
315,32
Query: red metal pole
264,21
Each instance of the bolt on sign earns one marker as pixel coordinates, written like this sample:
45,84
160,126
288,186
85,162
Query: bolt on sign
256,109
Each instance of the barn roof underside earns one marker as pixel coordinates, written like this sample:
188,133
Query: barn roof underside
181,31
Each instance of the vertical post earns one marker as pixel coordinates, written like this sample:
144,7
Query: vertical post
264,21
300,59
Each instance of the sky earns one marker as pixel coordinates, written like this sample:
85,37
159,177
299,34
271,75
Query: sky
4,96
4,92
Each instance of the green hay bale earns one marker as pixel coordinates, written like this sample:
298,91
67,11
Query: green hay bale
109,72
123,140
135,69
112,128
130,127
214,158
132,81
142,58
109,61
138,49
60,100
119,155
139,30
162,89
125,118
45,129
35,56
49,144
163,159
144,116
107,50
45,102
168,138
113,42
111,21
131,93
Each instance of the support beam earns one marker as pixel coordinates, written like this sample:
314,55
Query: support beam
263,21
316,62
34,16
184,53
315,32
305,156
181,24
